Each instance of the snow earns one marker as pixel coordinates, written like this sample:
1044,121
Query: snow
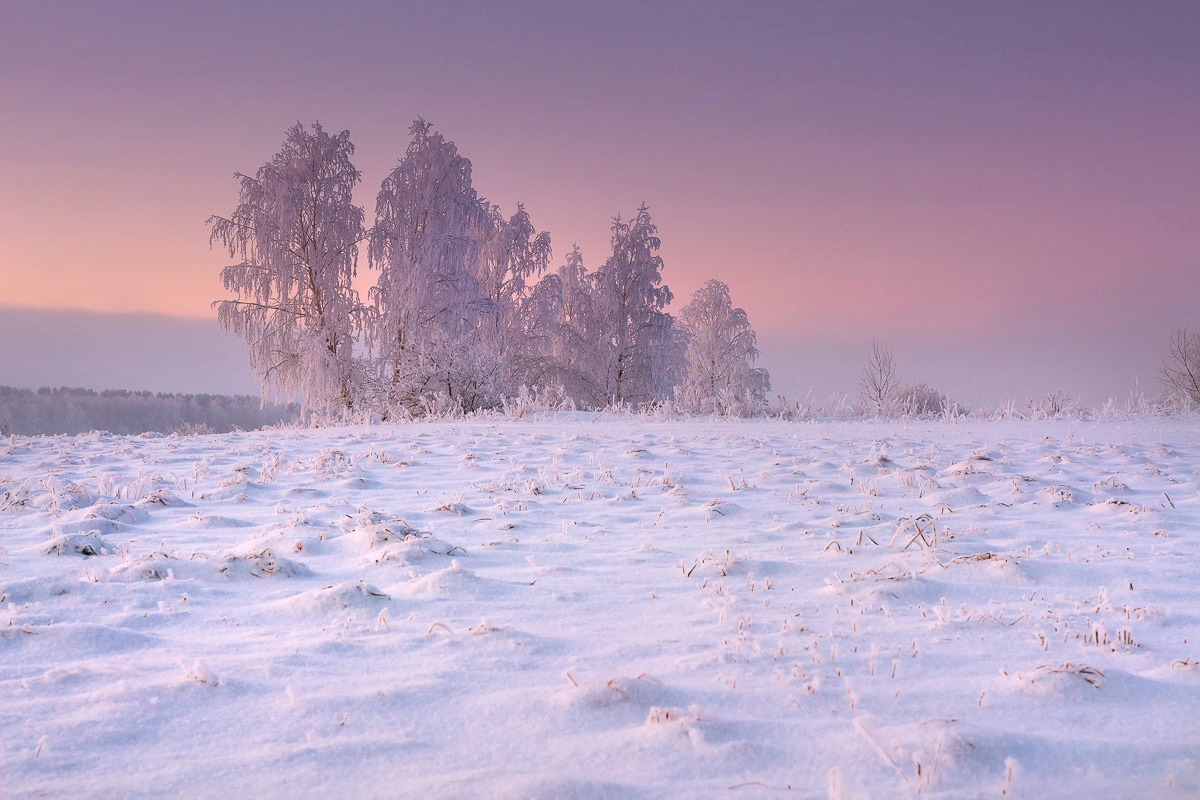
596,606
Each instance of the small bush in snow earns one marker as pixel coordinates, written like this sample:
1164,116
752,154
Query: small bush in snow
921,400
1056,405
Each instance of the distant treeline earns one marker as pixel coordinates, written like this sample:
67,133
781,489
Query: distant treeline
71,411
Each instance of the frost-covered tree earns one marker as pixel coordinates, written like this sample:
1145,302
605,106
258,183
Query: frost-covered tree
878,380
428,239
565,305
295,233
1179,372
539,314
720,352
453,291
513,331
640,351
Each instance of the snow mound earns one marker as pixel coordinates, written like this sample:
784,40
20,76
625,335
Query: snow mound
953,498
162,497
114,512
416,549
352,595
159,566
1055,681
370,529
975,465
453,580
640,691
260,562
77,544
80,639
66,526
32,590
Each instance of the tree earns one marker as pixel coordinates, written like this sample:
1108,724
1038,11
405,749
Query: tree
640,354
568,303
878,382
430,227
513,332
535,360
453,282
296,233
1179,372
720,351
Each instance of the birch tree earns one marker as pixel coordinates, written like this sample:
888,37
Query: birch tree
640,352
456,316
295,233
577,345
429,234
720,353
512,334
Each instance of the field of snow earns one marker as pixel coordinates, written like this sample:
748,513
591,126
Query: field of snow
582,607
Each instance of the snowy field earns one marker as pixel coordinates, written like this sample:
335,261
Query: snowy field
580,607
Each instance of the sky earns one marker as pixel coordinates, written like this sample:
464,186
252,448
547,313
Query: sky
1007,194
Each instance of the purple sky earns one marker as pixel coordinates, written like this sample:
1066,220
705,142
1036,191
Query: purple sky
1008,193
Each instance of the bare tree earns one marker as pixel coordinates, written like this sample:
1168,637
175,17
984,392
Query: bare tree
1179,372
878,382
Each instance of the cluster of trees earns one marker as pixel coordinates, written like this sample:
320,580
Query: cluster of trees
465,309
71,411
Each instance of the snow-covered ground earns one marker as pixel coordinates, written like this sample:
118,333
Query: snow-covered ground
582,606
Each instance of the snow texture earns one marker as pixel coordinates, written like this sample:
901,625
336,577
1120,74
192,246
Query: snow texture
580,606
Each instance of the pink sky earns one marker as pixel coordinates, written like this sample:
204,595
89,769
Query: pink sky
1019,179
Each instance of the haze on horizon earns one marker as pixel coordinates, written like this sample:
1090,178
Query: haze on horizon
1005,194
